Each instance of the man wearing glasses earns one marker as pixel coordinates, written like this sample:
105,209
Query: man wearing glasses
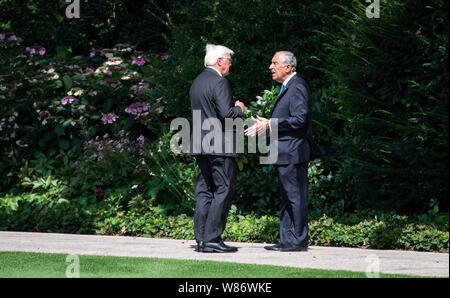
211,99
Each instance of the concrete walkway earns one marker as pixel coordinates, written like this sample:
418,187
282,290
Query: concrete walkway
336,258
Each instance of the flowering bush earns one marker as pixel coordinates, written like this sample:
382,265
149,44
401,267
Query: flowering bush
56,105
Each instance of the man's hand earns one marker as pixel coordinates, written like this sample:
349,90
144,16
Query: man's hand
260,126
240,104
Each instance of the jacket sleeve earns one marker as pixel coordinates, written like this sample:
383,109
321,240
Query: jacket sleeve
298,109
224,101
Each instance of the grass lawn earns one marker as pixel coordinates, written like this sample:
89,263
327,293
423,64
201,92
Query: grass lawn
44,265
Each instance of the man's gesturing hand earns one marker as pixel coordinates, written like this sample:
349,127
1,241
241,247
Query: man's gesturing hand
260,126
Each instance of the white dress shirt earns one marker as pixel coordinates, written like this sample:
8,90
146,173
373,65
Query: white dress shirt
215,70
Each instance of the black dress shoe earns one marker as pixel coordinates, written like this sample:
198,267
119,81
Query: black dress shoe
286,247
291,247
276,247
228,246
217,247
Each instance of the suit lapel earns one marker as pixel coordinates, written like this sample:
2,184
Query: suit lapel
284,91
279,97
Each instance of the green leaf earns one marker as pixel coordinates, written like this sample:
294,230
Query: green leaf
64,52
67,82
64,144
60,130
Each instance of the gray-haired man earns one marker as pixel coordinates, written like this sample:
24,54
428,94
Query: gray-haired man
291,117
211,98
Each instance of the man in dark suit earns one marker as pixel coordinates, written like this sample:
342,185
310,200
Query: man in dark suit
291,117
212,103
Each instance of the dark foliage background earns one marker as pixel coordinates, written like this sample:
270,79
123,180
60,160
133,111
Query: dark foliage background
103,23
380,105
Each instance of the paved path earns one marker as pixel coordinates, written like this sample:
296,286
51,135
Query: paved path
336,258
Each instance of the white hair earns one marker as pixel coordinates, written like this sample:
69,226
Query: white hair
214,52
288,58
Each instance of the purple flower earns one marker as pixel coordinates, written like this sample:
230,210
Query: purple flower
138,88
163,56
44,115
68,99
137,108
2,125
8,36
141,140
109,118
139,61
108,53
36,49
112,68
98,190
89,72
113,82
93,52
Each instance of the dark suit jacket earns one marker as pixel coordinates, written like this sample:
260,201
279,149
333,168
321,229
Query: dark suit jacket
210,94
292,109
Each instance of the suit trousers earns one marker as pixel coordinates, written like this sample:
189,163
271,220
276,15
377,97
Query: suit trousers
293,181
215,183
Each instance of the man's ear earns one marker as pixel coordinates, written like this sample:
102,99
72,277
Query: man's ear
288,69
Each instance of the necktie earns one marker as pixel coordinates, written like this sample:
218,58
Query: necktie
281,89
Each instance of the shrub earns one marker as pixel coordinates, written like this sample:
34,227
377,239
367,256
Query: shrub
95,113
389,101
47,210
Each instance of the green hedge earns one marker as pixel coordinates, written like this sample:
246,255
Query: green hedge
48,212
386,110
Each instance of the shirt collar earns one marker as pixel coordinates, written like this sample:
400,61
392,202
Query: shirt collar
215,70
288,79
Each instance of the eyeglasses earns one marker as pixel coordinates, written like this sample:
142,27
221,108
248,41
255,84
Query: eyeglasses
276,64
226,58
